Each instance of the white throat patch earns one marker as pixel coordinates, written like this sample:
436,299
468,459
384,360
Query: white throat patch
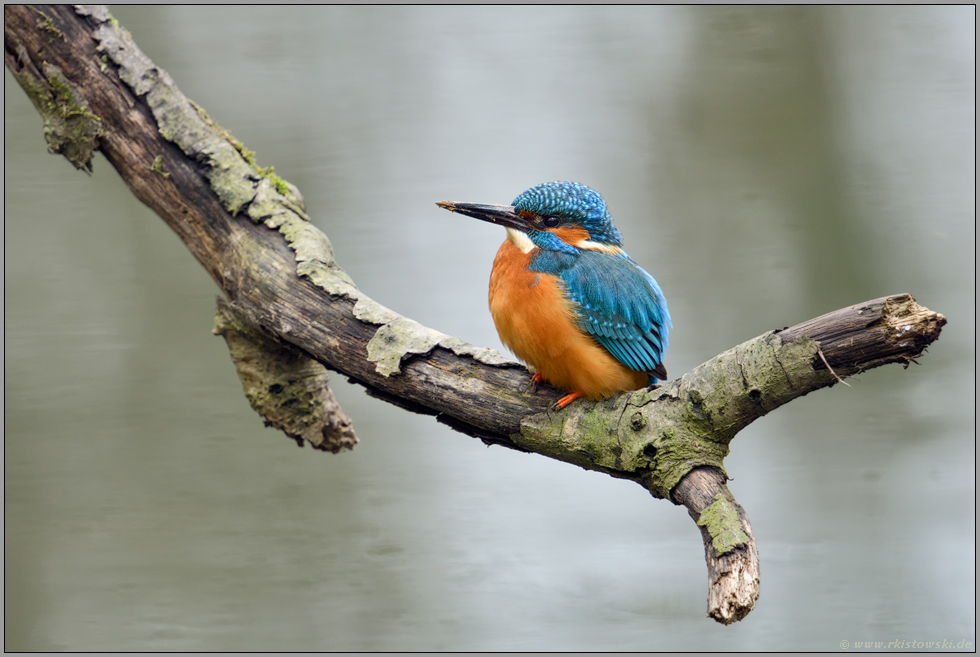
520,240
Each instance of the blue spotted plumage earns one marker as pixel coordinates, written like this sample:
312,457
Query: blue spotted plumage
616,300
567,299
575,203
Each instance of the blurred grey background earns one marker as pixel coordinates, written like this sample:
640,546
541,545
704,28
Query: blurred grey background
765,164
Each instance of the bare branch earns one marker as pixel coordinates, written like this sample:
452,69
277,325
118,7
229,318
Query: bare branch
295,309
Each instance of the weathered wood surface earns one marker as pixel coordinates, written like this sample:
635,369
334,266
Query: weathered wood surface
97,91
733,573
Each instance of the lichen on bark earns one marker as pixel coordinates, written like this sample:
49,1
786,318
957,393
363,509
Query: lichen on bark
286,387
657,435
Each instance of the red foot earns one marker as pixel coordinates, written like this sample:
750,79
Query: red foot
536,378
567,399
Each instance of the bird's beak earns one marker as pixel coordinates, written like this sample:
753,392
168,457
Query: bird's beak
502,215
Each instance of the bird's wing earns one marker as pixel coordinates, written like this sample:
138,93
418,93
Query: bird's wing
622,306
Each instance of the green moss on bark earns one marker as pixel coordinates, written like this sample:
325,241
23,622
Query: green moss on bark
70,128
45,23
657,435
157,166
721,520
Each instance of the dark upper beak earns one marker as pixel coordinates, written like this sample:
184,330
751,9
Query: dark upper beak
502,215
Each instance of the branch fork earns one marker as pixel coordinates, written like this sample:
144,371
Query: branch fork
290,313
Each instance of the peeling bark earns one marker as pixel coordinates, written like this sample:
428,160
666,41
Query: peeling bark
292,310
285,386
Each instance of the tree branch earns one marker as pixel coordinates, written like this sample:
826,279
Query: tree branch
729,546
283,385
295,309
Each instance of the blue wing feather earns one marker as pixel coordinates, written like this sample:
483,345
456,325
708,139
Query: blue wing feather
621,305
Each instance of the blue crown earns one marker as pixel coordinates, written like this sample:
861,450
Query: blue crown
575,203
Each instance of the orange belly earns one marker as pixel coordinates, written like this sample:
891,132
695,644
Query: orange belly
537,323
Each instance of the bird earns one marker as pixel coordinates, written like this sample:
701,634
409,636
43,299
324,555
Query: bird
565,297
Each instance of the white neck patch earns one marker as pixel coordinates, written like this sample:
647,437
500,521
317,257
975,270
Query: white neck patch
598,246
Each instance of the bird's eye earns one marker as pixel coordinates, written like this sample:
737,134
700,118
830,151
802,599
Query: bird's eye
551,221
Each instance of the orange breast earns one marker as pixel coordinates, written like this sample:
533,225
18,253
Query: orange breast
536,322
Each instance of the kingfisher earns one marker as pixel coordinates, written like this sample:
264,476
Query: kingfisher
567,299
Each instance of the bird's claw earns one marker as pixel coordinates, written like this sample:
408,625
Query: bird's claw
566,400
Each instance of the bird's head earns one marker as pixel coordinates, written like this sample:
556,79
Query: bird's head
555,216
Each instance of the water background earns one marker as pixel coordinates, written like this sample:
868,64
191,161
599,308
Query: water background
765,164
